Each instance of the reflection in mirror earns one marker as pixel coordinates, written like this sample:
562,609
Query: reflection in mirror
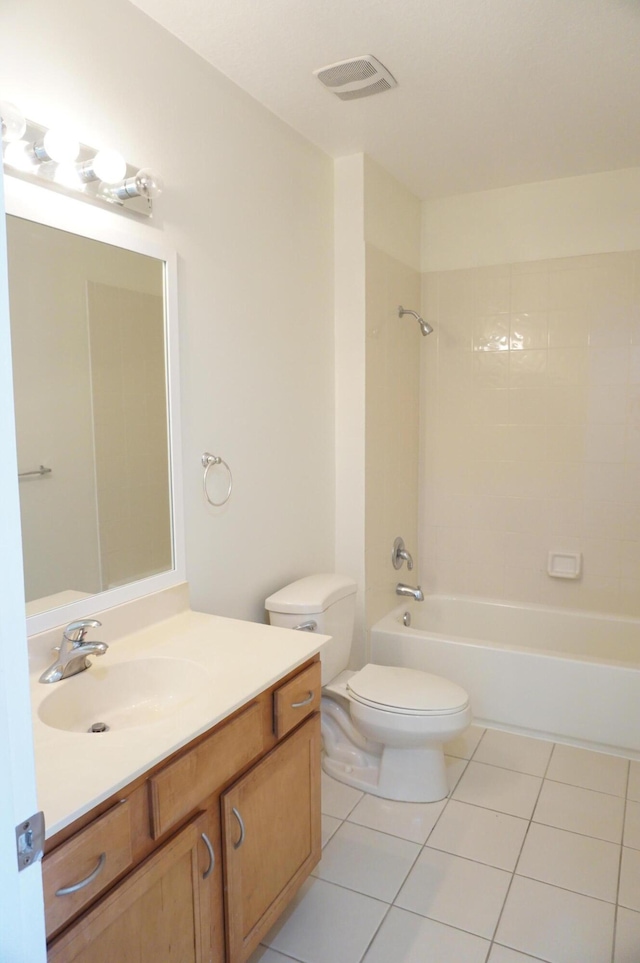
88,344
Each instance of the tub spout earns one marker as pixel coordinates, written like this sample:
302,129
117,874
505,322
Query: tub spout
410,592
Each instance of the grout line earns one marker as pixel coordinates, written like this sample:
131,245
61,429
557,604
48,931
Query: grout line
377,930
565,889
432,919
624,826
513,873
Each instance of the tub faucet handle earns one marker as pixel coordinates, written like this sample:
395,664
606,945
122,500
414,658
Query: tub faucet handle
400,554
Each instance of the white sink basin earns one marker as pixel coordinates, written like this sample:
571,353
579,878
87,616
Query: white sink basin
123,695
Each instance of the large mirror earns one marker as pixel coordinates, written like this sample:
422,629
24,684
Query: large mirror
90,364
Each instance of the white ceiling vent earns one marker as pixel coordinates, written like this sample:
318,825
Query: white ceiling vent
359,77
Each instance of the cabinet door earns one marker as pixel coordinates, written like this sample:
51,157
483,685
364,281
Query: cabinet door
160,912
271,837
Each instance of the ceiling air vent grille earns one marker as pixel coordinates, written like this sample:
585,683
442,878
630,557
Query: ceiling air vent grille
359,77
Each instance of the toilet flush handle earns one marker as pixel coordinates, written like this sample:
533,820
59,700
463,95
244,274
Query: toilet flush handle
309,626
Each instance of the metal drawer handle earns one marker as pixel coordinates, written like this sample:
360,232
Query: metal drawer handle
239,818
212,857
305,702
68,890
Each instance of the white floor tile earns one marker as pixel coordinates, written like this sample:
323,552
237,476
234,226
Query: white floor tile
627,943
579,863
481,834
502,954
590,770
413,821
367,861
629,894
512,751
338,799
556,925
329,826
465,745
327,924
406,938
632,825
455,768
456,891
580,811
633,790
506,791
264,955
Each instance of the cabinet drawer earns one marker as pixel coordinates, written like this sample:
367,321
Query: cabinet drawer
296,699
181,786
90,860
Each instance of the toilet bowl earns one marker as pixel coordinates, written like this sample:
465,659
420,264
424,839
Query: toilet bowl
383,727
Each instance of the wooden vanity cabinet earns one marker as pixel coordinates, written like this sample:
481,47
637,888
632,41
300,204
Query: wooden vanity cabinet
271,837
159,898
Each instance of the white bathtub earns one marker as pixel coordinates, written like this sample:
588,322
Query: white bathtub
571,676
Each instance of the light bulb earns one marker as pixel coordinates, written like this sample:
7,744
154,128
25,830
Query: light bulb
59,145
17,154
12,121
109,166
148,183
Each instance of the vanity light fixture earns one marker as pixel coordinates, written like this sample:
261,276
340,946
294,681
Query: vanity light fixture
55,158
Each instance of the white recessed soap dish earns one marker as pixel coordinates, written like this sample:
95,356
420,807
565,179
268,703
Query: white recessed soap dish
564,564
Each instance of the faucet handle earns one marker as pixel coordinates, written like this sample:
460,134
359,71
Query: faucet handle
76,632
400,555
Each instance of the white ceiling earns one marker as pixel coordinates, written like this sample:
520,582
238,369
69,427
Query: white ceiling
491,92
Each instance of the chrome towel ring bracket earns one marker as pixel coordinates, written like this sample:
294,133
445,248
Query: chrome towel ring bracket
208,461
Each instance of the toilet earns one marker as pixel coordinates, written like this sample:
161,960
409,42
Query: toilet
383,727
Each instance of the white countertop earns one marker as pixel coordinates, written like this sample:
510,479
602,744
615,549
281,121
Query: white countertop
76,770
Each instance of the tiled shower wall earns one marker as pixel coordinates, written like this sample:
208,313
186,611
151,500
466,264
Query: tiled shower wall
531,431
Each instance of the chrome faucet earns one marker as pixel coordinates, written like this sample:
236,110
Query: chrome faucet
410,592
73,651
400,554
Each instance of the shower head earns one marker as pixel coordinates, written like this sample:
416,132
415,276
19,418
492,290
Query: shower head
425,327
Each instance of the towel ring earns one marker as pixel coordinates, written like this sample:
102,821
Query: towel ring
207,461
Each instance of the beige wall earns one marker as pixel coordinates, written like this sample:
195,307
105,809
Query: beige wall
392,427
530,222
377,257
392,363
248,207
530,416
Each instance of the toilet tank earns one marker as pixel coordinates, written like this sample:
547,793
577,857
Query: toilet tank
329,600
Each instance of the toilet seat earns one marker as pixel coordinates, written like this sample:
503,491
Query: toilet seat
406,691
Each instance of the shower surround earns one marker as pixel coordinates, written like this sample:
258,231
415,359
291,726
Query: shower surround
530,431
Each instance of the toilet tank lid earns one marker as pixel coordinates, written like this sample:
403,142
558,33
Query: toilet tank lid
315,593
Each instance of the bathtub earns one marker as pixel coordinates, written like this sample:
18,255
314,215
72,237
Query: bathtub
569,676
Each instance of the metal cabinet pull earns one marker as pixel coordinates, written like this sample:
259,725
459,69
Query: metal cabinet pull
68,890
239,818
305,702
212,856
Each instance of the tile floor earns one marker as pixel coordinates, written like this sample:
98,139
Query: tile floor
535,855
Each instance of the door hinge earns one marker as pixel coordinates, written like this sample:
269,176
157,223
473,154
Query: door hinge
30,840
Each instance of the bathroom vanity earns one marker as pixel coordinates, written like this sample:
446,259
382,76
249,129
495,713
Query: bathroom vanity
185,838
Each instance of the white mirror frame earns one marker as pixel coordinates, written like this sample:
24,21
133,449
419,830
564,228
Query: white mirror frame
35,203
